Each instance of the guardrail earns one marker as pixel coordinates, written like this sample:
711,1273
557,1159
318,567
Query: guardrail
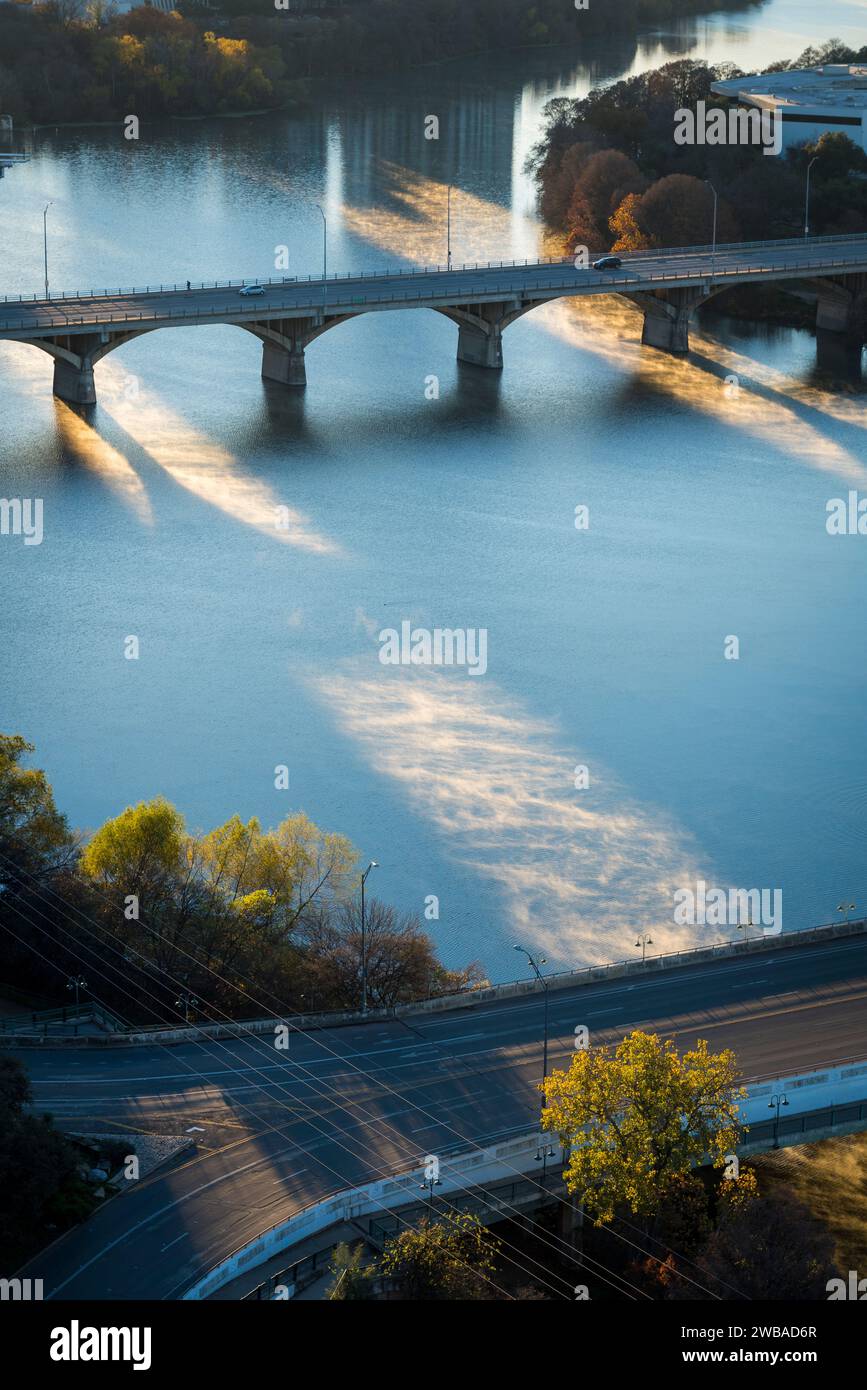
592,281
465,1169
45,1018
470,998
652,253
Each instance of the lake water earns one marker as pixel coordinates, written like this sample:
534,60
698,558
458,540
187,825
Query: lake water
605,646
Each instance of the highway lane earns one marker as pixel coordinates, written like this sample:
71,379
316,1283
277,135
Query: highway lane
384,290
346,1105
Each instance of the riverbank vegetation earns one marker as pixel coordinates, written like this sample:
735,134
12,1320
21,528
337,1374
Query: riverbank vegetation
78,60
611,177
166,924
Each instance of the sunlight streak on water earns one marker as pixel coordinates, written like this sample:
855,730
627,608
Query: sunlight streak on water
204,467
574,869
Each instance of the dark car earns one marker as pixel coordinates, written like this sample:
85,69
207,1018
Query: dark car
608,263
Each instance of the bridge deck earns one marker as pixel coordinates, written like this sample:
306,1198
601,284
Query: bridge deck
436,288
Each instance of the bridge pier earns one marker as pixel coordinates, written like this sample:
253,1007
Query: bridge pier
283,365
841,319
481,347
666,318
74,383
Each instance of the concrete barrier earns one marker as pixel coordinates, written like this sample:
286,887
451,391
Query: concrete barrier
471,1168
566,979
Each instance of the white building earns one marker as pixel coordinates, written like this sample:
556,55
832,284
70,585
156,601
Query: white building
810,101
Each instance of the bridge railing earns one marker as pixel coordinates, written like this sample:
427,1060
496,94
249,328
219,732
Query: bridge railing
410,272
235,312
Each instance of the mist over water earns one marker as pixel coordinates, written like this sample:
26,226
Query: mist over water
605,647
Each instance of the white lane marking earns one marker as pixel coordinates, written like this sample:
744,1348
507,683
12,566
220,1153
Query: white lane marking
174,1242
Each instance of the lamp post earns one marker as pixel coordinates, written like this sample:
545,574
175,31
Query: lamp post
449,228
777,1101
372,865
186,1002
544,1151
846,908
324,260
45,243
807,198
76,982
428,1186
644,940
713,252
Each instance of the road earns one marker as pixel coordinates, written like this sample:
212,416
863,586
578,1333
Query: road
278,1131
173,306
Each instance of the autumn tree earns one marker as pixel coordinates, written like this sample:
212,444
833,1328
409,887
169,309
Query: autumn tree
639,1118
210,909
604,181
401,961
678,211
624,227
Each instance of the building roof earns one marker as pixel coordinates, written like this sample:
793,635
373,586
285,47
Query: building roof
832,89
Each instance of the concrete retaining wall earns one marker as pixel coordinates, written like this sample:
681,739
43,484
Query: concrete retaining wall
469,1169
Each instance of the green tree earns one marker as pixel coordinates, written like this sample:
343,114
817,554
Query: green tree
35,839
353,1279
637,1119
451,1258
39,1184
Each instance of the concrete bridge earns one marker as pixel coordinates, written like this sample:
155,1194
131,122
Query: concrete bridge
79,329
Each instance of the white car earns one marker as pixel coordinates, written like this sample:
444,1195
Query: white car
252,289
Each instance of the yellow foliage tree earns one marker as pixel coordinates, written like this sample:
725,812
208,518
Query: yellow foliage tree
623,224
637,1119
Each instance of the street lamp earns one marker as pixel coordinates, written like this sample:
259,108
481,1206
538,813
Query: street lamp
324,260
846,908
186,1002
807,198
45,242
76,982
777,1101
449,228
713,252
428,1186
644,940
372,865
544,1151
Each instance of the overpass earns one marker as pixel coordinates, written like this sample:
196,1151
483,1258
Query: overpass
78,329
278,1132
